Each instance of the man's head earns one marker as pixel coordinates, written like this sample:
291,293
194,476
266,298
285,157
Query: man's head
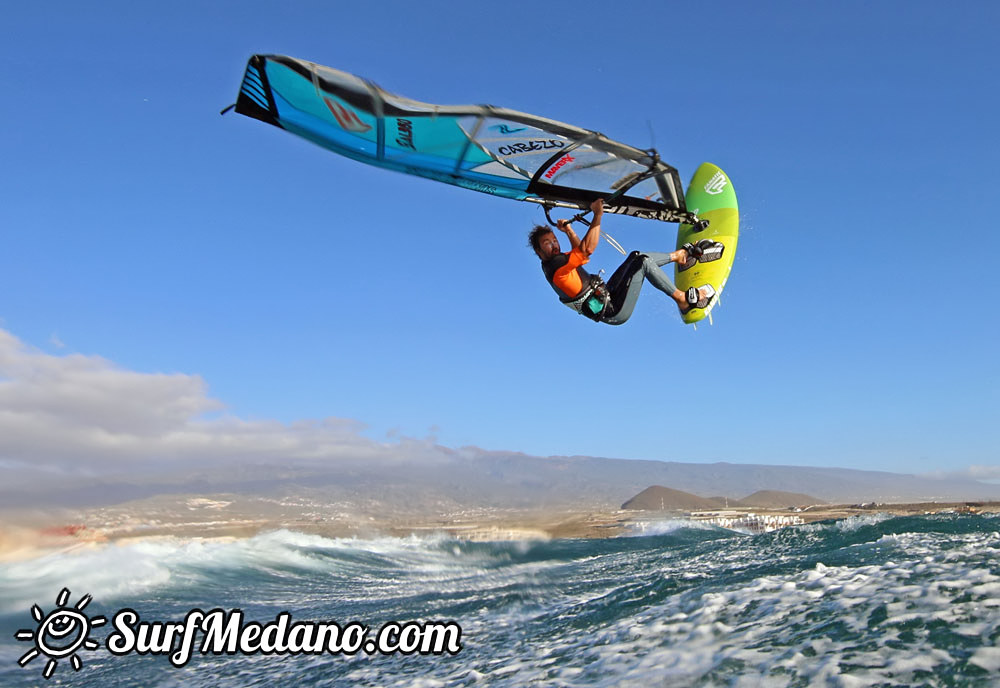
544,242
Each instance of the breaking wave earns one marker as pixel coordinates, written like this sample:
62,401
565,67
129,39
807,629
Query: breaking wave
880,600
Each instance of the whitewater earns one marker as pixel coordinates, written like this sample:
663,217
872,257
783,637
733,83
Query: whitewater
869,601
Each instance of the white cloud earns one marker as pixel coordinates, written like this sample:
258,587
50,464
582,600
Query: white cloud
84,414
982,473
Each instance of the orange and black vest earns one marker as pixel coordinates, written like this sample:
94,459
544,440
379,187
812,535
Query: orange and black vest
584,293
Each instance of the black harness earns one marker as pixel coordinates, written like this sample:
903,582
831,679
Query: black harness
593,300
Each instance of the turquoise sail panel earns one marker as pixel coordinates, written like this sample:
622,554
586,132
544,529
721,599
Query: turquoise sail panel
480,147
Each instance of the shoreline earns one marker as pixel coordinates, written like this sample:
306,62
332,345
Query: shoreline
210,522
22,543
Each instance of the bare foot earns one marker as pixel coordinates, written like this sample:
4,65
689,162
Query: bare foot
679,256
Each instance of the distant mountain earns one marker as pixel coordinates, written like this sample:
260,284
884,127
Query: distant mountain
659,498
775,499
438,479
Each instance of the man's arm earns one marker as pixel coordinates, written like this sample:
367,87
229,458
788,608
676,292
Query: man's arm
593,235
567,227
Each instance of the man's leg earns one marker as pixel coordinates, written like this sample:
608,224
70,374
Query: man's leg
658,278
626,283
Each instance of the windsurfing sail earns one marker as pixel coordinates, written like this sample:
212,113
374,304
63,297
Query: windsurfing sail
480,147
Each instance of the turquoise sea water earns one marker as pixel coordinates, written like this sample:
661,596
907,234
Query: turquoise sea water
870,601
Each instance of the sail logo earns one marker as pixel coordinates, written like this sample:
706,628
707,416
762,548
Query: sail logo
717,184
405,129
530,146
504,129
346,118
560,163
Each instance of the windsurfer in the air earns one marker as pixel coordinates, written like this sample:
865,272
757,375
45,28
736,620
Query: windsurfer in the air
610,302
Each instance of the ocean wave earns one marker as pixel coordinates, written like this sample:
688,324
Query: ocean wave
854,523
889,601
887,623
373,568
670,526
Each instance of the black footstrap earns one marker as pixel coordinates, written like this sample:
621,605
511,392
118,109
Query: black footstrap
696,300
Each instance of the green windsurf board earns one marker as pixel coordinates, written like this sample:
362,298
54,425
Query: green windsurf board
710,195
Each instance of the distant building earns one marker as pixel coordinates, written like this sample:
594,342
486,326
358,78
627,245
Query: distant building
755,524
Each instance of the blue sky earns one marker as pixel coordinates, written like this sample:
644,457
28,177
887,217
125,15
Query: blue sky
859,328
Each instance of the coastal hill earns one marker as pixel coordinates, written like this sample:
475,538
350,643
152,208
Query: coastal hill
659,498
